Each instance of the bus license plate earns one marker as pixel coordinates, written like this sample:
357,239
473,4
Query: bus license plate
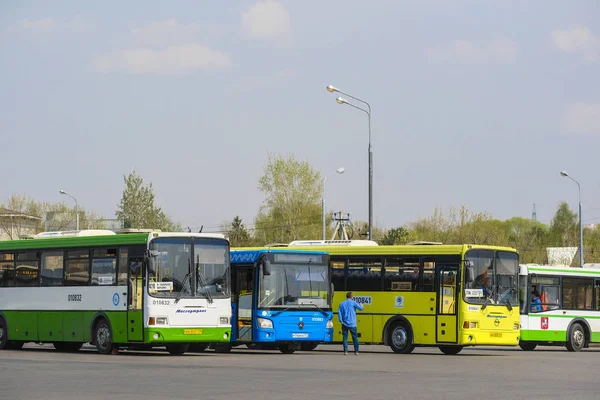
496,334
299,335
192,331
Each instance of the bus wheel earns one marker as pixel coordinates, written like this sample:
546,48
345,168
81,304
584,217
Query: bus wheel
287,349
69,347
308,346
222,348
400,339
451,350
103,337
3,335
198,347
527,346
576,339
177,349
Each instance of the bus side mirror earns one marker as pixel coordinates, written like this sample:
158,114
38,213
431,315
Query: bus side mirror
266,267
469,274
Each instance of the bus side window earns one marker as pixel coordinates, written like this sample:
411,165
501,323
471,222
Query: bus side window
401,274
26,269
52,268
7,270
337,274
364,275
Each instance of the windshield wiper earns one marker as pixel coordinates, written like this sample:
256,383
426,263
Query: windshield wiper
317,307
203,280
186,279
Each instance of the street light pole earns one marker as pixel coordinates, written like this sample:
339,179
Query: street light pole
339,171
340,100
76,209
566,175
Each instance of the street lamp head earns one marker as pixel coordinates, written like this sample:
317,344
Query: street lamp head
62,192
563,173
332,89
341,100
340,170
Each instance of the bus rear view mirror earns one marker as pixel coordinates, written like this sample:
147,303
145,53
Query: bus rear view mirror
469,274
266,267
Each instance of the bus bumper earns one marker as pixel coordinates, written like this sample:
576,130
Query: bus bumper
187,335
486,338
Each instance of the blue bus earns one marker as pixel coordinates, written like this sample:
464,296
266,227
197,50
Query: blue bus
281,299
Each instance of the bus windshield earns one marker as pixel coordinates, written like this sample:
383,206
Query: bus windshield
295,286
495,277
173,262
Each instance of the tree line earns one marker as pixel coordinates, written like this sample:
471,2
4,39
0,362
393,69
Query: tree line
291,210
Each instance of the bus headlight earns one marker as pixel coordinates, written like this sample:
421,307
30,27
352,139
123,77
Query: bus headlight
264,323
161,321
329,324
223,320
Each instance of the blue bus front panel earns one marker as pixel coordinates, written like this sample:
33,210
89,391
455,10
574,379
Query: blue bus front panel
292,326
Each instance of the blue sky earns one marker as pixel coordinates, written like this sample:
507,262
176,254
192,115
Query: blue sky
475,103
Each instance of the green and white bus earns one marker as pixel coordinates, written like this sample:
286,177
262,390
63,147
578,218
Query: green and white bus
568,313
115,290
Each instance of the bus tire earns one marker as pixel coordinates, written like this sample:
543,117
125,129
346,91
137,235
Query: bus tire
287,349
527,346
222,348
576,338
68,347
451,350
177,349
309,346
4,343
198,347
103,338
400,338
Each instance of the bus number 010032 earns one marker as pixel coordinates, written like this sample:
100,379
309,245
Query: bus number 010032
74,297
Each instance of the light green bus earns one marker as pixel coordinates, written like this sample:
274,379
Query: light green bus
115,290
568,313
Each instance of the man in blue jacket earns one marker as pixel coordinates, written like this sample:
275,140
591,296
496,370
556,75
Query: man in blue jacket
347,317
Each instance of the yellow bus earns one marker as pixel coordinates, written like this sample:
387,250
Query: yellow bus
426,294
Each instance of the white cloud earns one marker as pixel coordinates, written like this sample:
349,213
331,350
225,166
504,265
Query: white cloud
581,119
578,40
77,24
252,83
44,25
164,33
171,60
267,20
498,51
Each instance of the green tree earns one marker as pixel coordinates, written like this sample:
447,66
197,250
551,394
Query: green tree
237,233
52,217
291,209
137,208
529,237
564,228
395,236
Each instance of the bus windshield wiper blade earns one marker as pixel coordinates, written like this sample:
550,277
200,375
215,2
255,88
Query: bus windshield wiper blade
203,280
317,307
185,282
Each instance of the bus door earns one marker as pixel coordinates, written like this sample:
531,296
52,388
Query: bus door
446,315
242,311
135,318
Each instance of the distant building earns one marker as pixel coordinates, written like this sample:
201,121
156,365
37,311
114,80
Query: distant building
590,226
14,224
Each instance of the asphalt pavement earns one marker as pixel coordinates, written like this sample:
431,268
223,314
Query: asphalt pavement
39,372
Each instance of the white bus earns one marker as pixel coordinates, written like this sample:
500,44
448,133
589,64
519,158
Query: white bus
568,313
115,290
